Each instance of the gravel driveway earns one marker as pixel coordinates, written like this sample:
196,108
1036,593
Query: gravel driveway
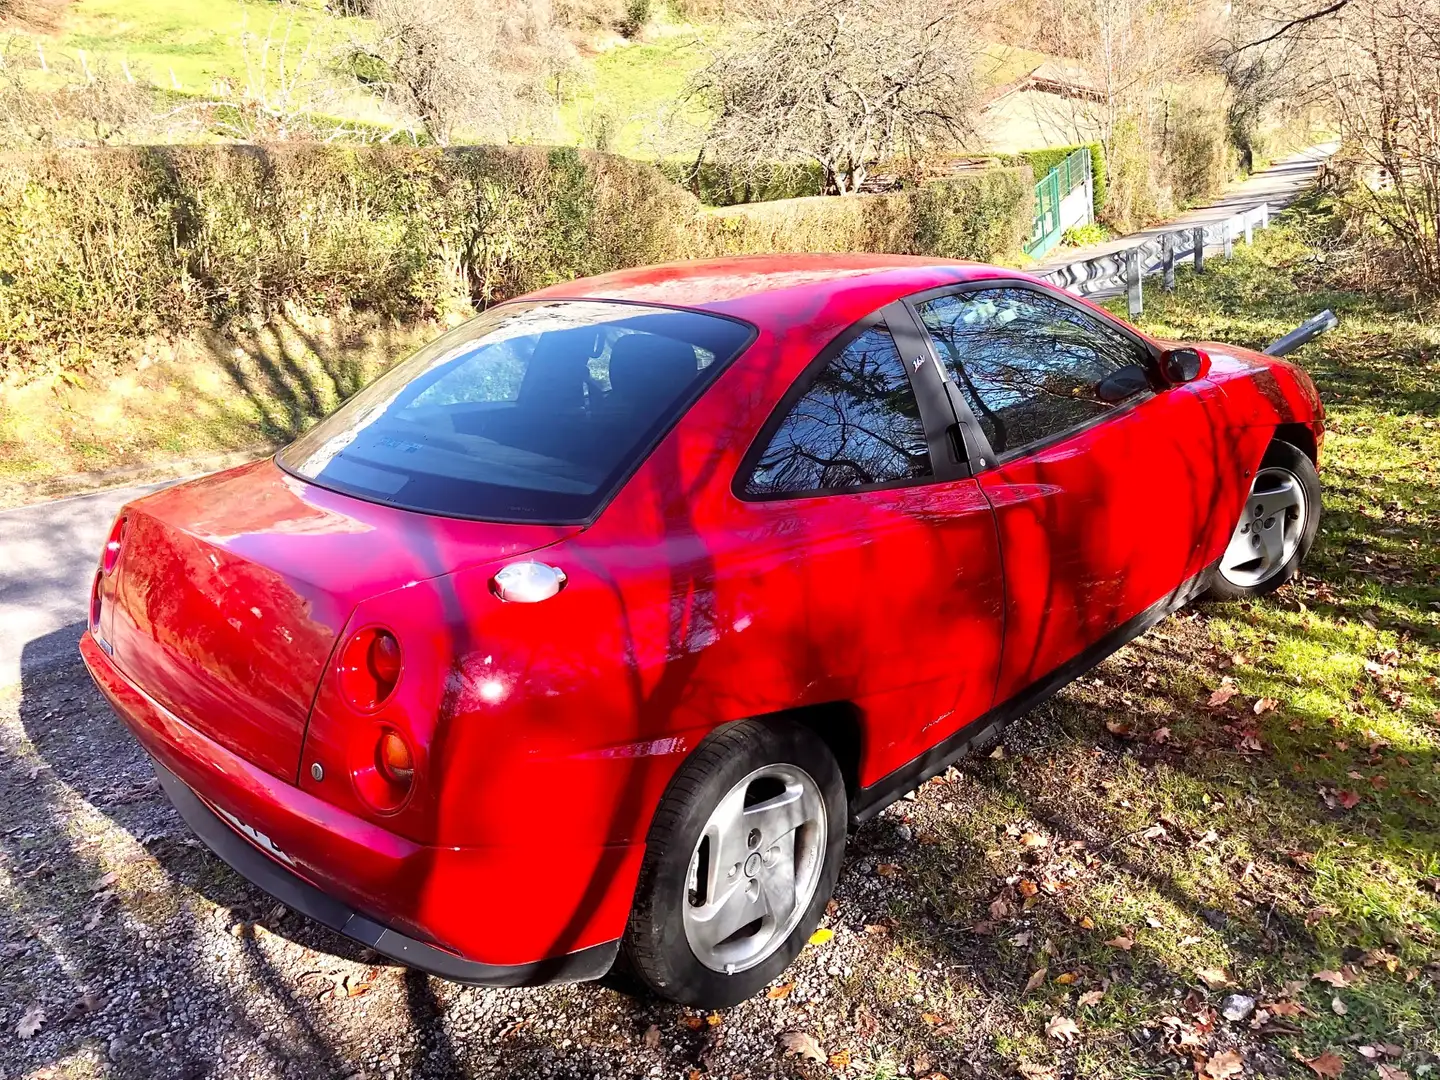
150,958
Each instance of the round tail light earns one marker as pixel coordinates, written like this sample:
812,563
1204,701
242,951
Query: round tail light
111,554
370,667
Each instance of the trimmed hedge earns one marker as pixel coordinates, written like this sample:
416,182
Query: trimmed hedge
101,248
982,216
715,184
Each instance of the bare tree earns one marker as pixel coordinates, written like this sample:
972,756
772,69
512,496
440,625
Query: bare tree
1386,79
843,83
482,66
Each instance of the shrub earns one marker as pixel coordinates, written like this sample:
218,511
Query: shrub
981,216
717,183
1198,153
100,248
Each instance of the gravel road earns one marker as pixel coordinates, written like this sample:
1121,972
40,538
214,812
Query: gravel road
48,554
150,958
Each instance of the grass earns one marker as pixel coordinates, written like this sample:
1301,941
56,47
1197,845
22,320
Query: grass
191,398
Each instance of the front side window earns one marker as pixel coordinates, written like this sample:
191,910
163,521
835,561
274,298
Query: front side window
856,424
529,412
1030,365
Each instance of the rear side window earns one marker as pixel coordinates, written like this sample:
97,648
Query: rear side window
856,425
530,412
1030,365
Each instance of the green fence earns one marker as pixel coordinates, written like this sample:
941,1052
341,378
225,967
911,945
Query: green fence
1050,192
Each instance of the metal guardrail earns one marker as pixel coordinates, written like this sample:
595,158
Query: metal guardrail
1050,192
1303,334
1123,270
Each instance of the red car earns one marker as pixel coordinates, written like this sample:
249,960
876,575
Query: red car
600,620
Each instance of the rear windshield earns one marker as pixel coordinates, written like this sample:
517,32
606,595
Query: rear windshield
530,412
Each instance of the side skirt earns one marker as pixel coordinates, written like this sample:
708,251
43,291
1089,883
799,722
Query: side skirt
984,730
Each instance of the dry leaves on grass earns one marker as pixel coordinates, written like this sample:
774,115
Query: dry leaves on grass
31,1022
1214,978
1031,1071
1092,997
1225,1064
1036,980
1121,942
1328,1064
803,1045
1222,695
1334,978
1062,1029
1390,1072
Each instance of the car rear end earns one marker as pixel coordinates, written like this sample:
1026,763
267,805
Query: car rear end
288,640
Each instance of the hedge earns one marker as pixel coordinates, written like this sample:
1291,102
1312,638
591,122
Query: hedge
717,184
100,248
982,216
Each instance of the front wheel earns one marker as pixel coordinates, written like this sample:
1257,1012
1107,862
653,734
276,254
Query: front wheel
1276,528
740,860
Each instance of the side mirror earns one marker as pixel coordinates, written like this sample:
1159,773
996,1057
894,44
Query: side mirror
1183,365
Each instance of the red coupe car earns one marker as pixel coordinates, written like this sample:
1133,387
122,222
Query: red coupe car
601,620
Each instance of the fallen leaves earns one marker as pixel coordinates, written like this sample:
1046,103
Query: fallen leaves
821,936
777,992
1036,980
1121,942
1212,977
1334,978
1328,1064
1062,1029
1225,1064
1264,705
1221,696
1348,799
1092,997
802,1044
31,1022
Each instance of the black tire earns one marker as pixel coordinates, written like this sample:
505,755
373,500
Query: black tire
656,947
1281,455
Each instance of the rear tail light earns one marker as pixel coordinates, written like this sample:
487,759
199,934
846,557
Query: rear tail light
111,555
370,667
95,602
393,757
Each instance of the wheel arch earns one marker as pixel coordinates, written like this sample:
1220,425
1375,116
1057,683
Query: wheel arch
1301,437
838,725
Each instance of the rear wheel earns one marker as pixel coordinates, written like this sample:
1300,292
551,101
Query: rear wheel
1276,528
740,860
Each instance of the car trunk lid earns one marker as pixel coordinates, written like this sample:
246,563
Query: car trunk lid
230,591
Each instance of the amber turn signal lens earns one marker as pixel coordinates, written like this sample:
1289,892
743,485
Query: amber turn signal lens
370,667
392,757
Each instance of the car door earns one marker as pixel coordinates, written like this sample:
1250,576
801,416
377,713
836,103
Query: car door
888,555
1096,471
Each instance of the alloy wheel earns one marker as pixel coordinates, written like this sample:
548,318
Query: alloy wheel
1269,531
755,868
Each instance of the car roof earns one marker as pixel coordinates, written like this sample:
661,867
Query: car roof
764,289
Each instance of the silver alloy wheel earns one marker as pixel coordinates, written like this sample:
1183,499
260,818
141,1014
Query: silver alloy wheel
1269,530
755,868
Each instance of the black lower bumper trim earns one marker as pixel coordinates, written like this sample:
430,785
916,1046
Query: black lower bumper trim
295,892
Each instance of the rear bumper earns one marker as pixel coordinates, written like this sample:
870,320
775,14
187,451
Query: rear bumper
505,916
295,892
